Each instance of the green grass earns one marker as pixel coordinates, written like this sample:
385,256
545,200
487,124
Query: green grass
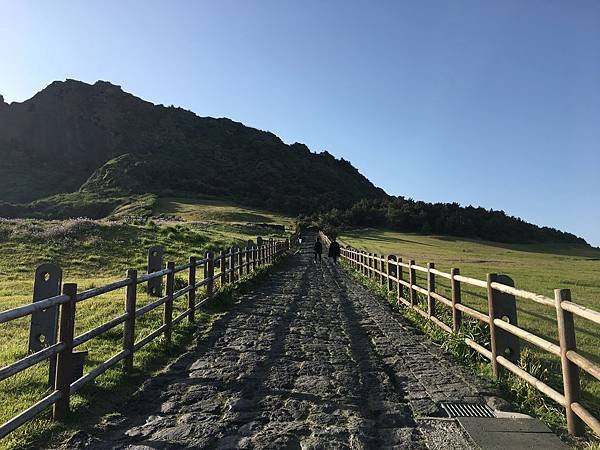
537,268
92,254
210,210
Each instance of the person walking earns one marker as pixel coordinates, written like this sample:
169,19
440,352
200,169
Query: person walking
318,250
299,249
334,250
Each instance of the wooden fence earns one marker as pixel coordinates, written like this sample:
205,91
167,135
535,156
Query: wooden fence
391,270
233,264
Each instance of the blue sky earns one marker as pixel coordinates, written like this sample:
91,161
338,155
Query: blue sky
491,103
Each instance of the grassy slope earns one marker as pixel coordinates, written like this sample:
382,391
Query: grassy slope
537,268
211,210
91,254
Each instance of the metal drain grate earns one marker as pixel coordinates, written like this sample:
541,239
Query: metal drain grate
468,410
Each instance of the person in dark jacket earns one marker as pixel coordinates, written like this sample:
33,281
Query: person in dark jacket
318,250
334,250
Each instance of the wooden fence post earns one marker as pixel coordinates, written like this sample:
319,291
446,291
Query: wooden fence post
129,325
390,272
240,263
223,260
168,311
400,275
43,328
266,254
491,277
232,265
155,263
192,292
570,371
502,306
248,257
64,363
430,289
254,255
210,275
370,265
456,299
375,269
412,275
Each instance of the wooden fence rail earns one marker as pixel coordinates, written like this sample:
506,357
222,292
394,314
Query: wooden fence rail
233,264
389,270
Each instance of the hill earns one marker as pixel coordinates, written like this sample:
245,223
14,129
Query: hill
74,135
81,150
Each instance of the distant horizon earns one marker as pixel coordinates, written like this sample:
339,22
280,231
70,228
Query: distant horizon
490,104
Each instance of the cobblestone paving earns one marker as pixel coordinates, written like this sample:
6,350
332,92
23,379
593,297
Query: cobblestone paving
309,360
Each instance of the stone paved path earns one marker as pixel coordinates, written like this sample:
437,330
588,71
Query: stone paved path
309,360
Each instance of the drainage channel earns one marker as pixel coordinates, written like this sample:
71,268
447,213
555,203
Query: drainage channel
463,409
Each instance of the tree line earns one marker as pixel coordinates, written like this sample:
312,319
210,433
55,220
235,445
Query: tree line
408,215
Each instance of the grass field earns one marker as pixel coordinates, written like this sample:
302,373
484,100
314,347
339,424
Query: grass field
537,268
93,254
208,210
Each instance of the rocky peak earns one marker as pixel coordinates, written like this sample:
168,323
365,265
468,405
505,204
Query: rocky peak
107,86
77,88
